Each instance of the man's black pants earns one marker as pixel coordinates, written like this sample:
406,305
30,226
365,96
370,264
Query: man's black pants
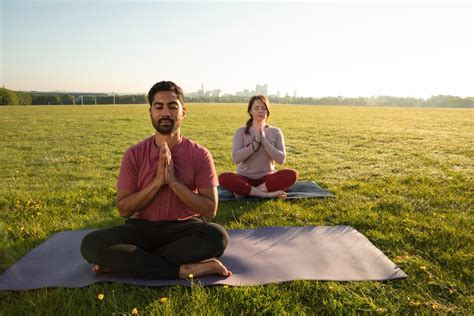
148,249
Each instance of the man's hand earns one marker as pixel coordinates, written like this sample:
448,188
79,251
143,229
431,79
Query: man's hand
170,177
160,169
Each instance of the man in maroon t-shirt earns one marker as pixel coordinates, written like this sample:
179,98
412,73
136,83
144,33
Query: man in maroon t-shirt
166,185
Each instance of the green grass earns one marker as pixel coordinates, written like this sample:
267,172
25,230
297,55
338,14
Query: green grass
403,178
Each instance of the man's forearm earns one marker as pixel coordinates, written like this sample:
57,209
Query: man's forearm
201,204
131,204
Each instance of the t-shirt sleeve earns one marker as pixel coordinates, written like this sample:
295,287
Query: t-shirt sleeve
206,176
128,175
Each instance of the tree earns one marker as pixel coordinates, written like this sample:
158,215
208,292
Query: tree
8,97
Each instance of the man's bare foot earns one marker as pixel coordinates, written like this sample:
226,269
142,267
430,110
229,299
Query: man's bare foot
207,267
277,194
98,269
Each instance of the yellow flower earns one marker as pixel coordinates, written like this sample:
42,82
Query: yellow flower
134,311
423,268
226,286
100,296
163,300
191,276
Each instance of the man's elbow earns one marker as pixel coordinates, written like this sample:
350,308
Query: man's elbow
211,211
123,211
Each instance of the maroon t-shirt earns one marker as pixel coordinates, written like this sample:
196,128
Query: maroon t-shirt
193,167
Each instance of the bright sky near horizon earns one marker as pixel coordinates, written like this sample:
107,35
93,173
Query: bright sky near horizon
407,49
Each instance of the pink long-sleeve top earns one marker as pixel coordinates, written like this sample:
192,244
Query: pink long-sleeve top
253,163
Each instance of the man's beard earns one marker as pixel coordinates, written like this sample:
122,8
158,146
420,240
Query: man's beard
165,129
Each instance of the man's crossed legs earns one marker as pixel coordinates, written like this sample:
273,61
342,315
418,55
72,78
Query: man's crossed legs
160,250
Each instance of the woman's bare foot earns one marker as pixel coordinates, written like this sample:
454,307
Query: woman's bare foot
275,194
278,194
262,187
237,196
207,267
98,269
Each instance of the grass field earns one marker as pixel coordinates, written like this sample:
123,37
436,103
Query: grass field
403,178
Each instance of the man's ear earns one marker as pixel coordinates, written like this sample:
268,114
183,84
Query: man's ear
184,111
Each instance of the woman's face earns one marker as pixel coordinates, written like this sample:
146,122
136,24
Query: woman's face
258,111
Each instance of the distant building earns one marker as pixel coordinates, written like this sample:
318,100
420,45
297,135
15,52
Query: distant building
261,89
201,92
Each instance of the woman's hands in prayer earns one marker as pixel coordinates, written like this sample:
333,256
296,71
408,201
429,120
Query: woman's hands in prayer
260,131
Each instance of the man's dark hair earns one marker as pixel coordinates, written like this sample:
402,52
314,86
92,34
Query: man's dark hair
166,86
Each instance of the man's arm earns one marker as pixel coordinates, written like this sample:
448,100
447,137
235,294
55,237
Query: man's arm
204,202
128,203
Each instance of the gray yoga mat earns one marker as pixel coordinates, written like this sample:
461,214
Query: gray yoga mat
255,256
300,190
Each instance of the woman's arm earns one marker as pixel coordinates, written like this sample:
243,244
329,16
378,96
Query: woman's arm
277,152
239,151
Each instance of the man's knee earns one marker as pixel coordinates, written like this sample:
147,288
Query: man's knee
217,237
93,244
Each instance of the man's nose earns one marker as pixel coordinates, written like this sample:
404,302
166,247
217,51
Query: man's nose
165,111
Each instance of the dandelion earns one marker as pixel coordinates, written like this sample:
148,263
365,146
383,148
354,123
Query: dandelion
163,300
226,286
423,268
100,296
134,311
191,276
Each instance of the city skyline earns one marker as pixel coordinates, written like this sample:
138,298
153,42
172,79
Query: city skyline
317,49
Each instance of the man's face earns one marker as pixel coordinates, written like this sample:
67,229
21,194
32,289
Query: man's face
166,112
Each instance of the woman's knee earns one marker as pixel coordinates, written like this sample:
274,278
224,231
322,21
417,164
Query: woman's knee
225,178
292,174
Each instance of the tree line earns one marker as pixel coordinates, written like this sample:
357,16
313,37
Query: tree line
10,97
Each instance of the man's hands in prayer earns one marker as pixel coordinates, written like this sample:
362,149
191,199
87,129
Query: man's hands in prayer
160,169
170,177
165,169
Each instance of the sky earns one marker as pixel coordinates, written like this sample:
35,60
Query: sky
343,48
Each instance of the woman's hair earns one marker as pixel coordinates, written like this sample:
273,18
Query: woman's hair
252,100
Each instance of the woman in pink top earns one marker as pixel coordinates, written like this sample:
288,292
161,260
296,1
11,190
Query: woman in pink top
255,149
